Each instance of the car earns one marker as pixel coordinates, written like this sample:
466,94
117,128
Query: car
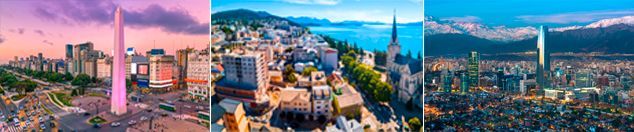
143,118
131,122
96,125
42,126
40,118
52,125
115,124
86,114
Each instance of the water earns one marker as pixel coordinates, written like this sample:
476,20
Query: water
370,37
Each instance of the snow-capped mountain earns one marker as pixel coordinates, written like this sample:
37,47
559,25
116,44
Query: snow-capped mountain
497,33
506,34
627,20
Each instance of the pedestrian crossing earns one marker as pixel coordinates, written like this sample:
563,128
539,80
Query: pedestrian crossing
11,129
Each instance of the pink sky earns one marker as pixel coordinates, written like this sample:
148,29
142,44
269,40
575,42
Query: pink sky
33,26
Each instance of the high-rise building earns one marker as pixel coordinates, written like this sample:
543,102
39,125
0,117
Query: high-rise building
69,51
181,64
246,78
161,71
40,61
118,97
198,74
80,54
104,67
446,78
543,59
473,68
464,83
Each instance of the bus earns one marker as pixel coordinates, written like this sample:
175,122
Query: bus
203,115
167,107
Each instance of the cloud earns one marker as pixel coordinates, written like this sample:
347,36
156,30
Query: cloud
574,17
98,12
47,42
17,30
40,32
2,39
462,19
314,2
417,1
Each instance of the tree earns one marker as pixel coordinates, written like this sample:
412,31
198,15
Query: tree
409,54
74,92
82,80
25,86
309,70
128,83
289,74
414,124
68,76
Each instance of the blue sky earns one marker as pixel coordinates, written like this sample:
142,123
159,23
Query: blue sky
334,10
513,13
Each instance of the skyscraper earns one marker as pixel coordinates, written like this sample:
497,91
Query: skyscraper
118,99
473,67
69,51
543,58
464,83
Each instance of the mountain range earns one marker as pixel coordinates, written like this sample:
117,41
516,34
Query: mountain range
615,35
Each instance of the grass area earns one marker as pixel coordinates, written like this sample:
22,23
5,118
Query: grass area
18,97
63,98
97,120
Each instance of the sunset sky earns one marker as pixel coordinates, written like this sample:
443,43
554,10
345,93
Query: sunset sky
33,26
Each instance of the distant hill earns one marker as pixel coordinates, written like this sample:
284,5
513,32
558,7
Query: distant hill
616,38
248,15
311,21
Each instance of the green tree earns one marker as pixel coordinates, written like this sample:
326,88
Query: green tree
409,54
68,76
309,70
289,74
414,124
128,83
25,86
82,80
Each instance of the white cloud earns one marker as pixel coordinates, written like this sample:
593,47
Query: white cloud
575,17
317,2
462,19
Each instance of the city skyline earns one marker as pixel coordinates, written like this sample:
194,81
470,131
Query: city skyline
29,27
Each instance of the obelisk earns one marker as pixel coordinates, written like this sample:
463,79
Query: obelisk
118,96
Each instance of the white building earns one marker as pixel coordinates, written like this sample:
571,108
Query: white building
104,67
198,74
329,58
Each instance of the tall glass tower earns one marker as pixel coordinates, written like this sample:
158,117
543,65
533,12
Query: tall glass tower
118,96
473,68
543,59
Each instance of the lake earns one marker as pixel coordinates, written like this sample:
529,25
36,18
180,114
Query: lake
370,37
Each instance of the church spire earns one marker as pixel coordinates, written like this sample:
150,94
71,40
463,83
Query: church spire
394,37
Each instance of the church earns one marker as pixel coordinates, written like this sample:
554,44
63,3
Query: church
405,73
